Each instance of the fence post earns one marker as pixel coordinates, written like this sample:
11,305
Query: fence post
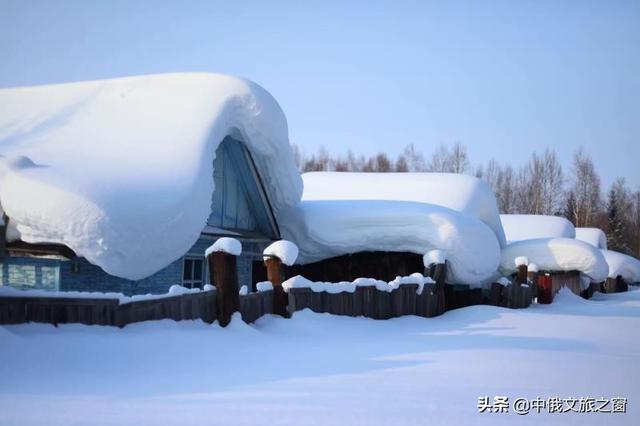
532,276
223,273
440,276
521,277
275,274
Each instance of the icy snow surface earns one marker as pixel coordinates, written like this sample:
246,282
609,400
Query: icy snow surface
621,264
594,236
462,193
518,227
225,244
557,254
324,229
286,251
320,369
121,170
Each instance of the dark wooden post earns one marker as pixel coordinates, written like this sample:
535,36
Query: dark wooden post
521,277
533,282
223,273
440,276
275,274
4,223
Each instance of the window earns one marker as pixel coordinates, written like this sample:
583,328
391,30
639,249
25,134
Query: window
22,276
192,272
28,276
50,277
238,200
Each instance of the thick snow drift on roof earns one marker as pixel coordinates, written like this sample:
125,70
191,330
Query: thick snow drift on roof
593,236
557,254
121,170
324,229
624,265
463,193
518,227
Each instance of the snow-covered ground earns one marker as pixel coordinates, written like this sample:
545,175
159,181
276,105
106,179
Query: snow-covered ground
329,370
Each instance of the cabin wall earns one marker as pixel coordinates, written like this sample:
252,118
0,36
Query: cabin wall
384,266
80,275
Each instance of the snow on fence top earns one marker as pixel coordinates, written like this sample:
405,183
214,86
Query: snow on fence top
121,170
324,229
462,193
350,286
624,265
557,254
518,227
593,236
433,256
284,250
225,244
174,290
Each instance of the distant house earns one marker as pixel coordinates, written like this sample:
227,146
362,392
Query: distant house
252,166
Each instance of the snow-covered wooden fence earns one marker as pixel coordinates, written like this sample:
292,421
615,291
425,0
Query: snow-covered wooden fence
615,285
112,311
370,302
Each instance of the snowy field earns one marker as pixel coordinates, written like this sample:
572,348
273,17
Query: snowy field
328,370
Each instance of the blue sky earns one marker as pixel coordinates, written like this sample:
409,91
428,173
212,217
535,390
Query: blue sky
505,78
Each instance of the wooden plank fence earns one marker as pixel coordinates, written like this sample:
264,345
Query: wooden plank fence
220,303
190,306
370,302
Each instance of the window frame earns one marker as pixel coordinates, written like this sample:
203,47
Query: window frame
189,283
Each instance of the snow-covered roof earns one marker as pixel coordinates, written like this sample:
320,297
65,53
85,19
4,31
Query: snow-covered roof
624,265
121,170
557,254
518,227
594,236
462,193
324,229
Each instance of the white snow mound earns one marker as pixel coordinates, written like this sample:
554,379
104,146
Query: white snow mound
324,229
462,193
225,244
285,250
521,260
121,170
624,265
594,236
518,227
557,254
434,256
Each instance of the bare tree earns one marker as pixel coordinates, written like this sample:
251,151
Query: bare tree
507,190
382,163
444,160
414,158
401,164
439,162
458,159
585,186
619,207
